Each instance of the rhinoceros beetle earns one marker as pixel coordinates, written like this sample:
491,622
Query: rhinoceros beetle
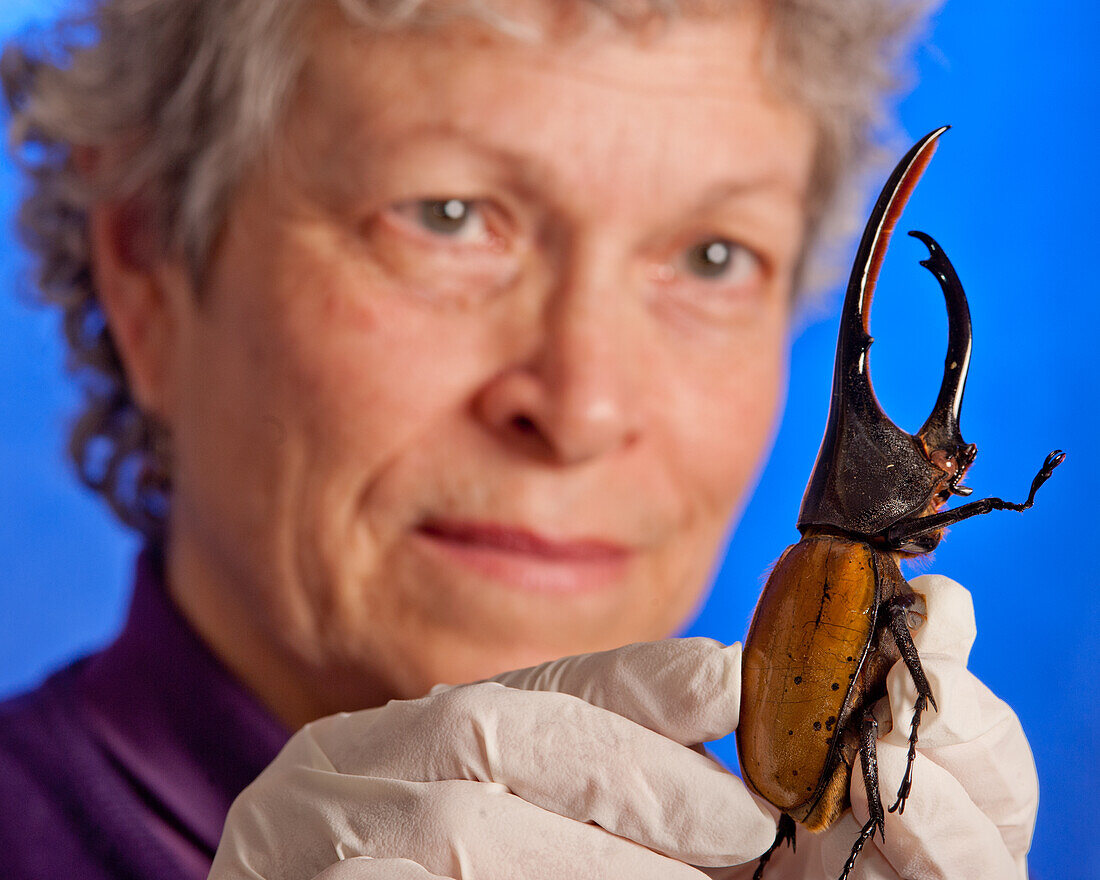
832,619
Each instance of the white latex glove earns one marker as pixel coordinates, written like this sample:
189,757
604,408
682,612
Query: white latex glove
580,768
971,812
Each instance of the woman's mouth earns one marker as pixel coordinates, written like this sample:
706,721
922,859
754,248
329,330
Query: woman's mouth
526,560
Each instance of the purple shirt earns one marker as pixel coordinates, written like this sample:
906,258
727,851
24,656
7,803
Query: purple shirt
124,764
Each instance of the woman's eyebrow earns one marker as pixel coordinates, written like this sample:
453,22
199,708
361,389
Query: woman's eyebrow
529,172
526,172
766,183
449,130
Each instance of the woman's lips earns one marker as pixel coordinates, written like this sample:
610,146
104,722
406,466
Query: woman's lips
525,560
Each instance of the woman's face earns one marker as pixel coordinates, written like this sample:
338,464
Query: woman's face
489,353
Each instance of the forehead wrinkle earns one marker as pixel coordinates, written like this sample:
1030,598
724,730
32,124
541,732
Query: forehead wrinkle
512,138
568,49
507,132
591,58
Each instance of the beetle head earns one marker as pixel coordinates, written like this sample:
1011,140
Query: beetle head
871,474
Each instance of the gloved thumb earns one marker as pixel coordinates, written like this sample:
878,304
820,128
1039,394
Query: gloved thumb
688,690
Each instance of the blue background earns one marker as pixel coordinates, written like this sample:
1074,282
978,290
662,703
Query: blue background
1011,196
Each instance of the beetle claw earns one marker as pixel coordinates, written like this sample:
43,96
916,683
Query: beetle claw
1052,461
785,833
875,823
1045,473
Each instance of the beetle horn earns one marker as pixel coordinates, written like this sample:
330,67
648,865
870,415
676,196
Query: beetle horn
940,434
876,235
869,472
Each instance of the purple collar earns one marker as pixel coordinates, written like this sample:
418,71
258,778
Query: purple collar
172,716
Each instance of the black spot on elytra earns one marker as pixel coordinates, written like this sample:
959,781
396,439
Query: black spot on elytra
836,687
829,722
817,725
850,659
790,733
798,679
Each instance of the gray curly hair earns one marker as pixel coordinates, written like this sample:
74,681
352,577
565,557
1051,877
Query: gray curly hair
192,90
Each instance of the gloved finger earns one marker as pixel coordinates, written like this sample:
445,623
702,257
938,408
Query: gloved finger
366,868
949,628
688,690
778,867
974,735
941,834
558,752
976,738
459,829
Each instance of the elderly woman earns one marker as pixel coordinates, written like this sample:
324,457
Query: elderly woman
425,341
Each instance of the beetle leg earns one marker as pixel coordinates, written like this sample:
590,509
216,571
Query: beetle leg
784,833
868,734
900,630
906,530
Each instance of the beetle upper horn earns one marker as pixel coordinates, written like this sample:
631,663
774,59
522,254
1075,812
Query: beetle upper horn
869,472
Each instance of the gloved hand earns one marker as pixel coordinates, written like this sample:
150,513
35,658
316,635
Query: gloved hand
580,768
972,810
538,765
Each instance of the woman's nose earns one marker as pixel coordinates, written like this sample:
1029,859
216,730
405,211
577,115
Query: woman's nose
575,398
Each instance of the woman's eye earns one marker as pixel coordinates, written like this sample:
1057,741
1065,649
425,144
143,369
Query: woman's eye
450,248
714,279
460,219
721,259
